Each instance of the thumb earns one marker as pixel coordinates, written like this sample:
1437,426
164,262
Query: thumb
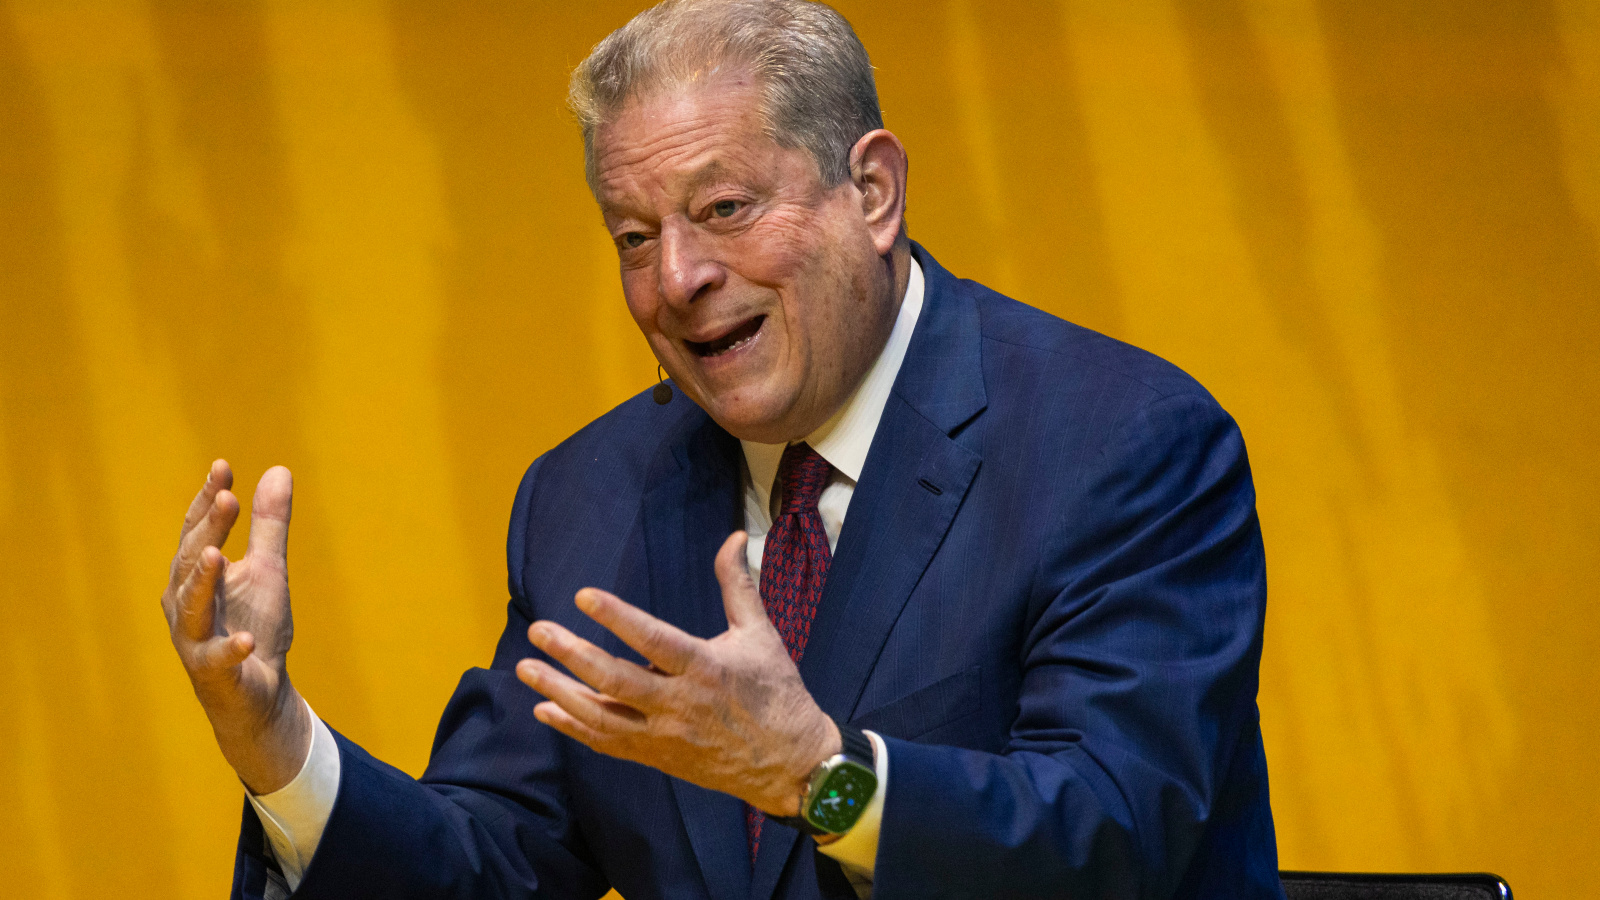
740,598
215,656
269,514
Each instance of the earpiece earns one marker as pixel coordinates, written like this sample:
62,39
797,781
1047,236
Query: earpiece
662,392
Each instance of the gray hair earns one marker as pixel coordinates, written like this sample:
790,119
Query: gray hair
816,81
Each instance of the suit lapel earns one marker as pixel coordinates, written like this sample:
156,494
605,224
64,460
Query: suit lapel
694,504
902,509
914,480
895,525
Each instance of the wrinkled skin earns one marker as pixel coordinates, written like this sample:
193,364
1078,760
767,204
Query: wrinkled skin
729,713
718,227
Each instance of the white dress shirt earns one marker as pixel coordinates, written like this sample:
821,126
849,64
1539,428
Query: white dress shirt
295,816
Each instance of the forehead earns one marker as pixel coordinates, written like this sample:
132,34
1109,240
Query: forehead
672,141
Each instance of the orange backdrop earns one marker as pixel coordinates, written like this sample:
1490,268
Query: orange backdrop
353,237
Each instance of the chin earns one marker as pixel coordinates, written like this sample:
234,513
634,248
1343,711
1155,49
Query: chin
764,423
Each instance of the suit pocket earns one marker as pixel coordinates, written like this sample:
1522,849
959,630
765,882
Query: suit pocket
926,708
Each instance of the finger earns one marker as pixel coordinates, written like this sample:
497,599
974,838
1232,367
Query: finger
632,684
218,477
741,600
211,531
217,655
269,515
595,710
550,713
197,597
669,649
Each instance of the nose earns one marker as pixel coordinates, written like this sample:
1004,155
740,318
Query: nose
688,267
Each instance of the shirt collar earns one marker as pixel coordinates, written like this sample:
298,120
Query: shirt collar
845,438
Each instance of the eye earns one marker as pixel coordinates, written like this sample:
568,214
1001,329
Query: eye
632,239
724,208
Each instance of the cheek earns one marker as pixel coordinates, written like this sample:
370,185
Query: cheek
777,250
638,291
795,254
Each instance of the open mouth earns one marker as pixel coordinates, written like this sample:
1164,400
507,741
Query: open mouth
730,341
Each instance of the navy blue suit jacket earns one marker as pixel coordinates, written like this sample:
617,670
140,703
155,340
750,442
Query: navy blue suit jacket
1047,597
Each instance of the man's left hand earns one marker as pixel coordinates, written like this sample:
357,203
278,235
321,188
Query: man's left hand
730,713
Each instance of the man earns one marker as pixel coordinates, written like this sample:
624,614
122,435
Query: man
1002,585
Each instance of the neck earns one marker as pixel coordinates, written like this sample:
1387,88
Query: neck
899,262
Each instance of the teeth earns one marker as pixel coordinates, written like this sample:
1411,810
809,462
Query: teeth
719,348
733,339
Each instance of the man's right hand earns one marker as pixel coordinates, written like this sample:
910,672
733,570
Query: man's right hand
231,625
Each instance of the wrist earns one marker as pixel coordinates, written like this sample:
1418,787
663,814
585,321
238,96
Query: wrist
840,788
784,793
828,745
270,751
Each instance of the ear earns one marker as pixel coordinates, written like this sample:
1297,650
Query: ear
878,170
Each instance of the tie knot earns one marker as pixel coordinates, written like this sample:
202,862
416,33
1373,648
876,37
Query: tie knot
802,474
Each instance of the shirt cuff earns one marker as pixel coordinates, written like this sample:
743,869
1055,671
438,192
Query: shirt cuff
857,849
295,815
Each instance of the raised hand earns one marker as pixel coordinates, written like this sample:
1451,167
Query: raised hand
729,713
231,625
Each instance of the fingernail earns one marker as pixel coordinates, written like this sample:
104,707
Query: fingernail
539,634
586,601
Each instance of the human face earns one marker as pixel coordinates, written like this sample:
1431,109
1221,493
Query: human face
760,290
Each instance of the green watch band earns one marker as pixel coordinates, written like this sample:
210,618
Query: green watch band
839,789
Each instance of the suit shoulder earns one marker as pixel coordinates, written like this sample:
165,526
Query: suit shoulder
616,451
1013,327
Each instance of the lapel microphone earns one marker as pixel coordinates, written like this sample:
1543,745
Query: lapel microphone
662,392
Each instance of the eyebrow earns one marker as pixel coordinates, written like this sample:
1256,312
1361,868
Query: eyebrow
709,173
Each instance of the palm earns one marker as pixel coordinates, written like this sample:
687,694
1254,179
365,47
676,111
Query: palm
254,599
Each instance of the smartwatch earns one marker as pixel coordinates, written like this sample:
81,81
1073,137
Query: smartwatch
837,793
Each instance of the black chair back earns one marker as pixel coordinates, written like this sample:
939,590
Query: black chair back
1369,886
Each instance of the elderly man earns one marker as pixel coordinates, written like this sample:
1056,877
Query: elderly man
919,593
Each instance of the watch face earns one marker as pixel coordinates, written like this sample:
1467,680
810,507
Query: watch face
841,798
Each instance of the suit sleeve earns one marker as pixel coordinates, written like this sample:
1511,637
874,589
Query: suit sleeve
487,820
1139,679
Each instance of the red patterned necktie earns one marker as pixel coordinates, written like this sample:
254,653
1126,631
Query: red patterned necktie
794,566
